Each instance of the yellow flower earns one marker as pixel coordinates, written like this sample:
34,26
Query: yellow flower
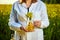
30,27
29,15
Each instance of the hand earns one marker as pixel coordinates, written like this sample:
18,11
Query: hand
22,28
37,24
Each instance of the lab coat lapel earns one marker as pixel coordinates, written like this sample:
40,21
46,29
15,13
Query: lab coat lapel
31,8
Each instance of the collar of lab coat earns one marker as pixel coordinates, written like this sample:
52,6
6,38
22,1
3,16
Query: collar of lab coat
20,7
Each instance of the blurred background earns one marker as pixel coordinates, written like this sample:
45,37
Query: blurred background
50,33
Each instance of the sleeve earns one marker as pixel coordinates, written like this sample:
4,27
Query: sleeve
14,25
44,17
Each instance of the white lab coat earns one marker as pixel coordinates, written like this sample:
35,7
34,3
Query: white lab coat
18,18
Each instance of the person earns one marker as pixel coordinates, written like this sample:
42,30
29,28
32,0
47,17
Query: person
17,20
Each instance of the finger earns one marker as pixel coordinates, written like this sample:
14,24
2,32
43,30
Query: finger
25,30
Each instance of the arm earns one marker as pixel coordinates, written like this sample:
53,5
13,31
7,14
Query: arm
44,17
14,25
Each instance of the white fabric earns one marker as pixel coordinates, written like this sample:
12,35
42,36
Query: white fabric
18,18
